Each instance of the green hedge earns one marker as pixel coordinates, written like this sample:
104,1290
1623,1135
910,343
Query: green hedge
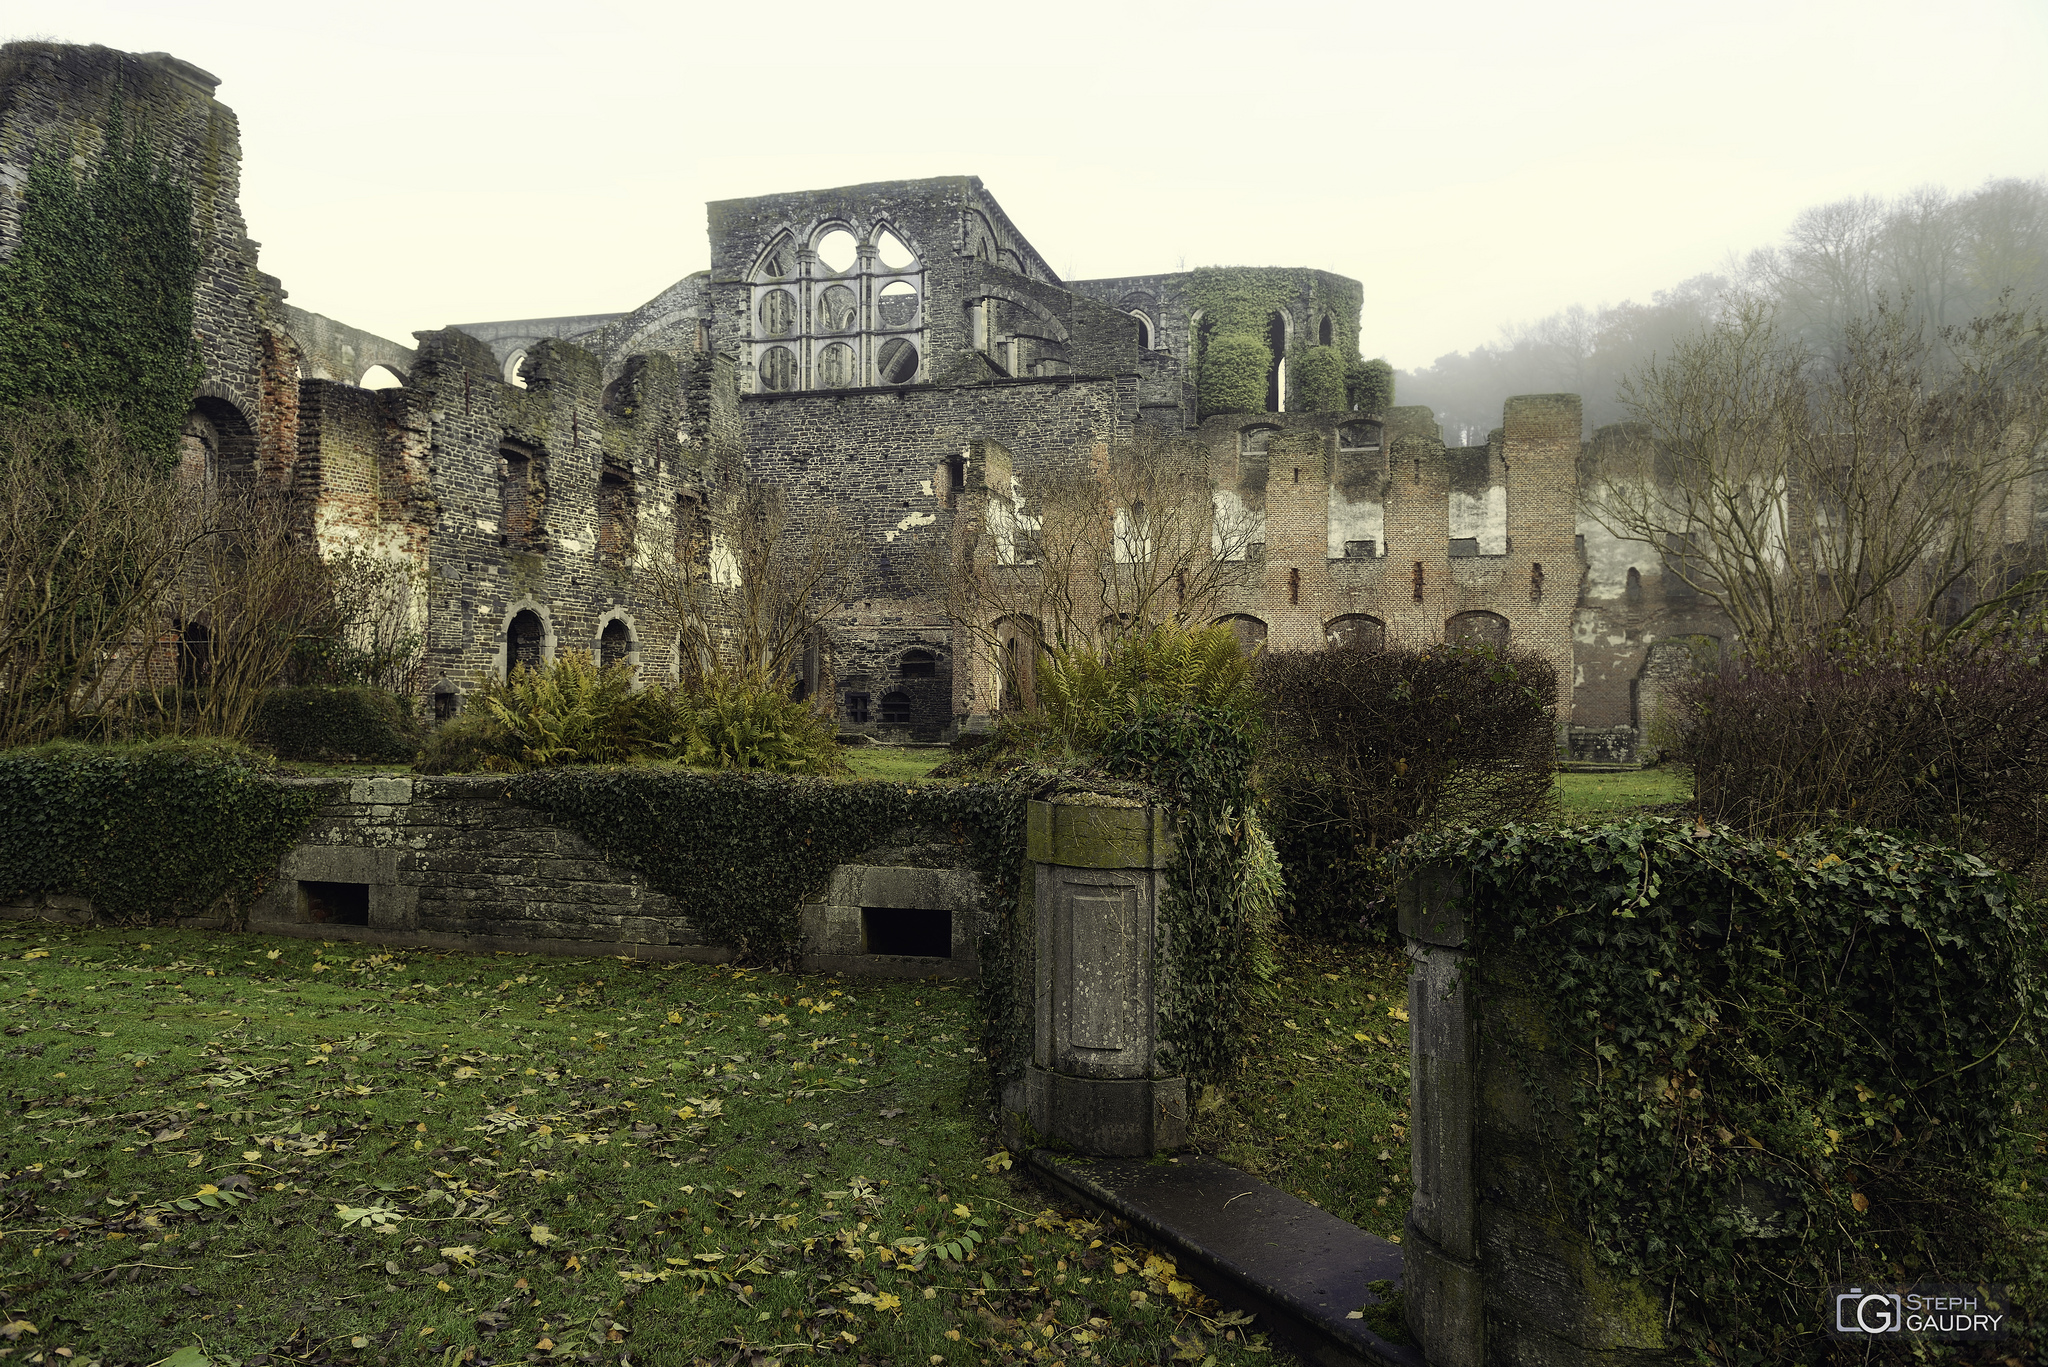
1235,368
348,723
1831,1020
1319,381
149,832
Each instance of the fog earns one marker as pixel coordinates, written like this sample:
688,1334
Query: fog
1472,164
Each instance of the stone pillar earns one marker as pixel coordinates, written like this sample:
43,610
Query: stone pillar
1500,1270
1439,1260
1093,1082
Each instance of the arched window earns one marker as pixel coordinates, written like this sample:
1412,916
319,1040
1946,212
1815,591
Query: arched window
895,709
513,363
1478,629
1279,333
526,639
1633,593
615,644
1326,332
1358,436
1249,630
809,336
1144,330
1355,631
919,664
1254,441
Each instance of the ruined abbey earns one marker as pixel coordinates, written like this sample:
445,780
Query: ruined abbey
899,351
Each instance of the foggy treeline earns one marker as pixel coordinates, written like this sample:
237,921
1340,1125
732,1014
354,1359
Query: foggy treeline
1942,258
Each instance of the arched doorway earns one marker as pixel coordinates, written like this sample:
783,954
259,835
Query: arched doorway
526,639
614,644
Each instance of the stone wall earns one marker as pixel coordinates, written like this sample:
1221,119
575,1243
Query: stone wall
451,863
1418,584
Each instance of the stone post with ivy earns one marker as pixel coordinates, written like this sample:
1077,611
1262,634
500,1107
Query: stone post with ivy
1495,1264
1094,1083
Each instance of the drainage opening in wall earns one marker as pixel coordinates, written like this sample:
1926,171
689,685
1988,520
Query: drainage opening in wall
335,904
906,930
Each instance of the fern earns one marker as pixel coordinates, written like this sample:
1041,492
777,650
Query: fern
1083,694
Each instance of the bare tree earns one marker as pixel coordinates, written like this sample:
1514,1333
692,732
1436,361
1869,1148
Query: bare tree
1884,490
746,601
1068,560
89,537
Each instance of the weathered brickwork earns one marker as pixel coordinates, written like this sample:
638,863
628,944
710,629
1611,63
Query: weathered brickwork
897,351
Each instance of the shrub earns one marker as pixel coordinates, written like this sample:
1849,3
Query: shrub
1085,694
473,743
1319,381
1235,367
1369,746
1369,385
1953,743
150,832
318,723
727,723
572,712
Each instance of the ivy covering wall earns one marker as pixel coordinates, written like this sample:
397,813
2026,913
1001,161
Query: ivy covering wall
96,301
1781,1064
150,833
1237,304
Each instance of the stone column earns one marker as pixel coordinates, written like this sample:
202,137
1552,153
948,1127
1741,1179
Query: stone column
1439,1259
1093,1082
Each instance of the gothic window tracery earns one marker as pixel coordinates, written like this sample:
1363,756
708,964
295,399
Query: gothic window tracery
845,312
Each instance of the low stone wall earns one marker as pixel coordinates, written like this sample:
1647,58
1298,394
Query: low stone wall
453,863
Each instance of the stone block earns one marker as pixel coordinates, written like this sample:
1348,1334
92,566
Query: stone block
1112,1117
1445,1303
1098,837
1096,942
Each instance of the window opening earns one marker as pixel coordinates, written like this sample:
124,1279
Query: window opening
918,664
896,362
195,655
615,646
381,377
1144,331
778,369
1294,586
512,366
446,705
778,313
1355,631
892,253
857,708
1325,334
334,904
838,309
1361,550
837,251
896,305
525,641
895,709
916,932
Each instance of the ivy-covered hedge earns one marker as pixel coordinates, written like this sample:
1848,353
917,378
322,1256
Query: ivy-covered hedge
1234,373
315,722
149,832
1788,1063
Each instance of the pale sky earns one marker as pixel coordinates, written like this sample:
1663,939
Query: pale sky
412,165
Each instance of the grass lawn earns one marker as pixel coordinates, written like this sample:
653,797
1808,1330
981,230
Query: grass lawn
882,761
1595,797
278,1148
1328,1120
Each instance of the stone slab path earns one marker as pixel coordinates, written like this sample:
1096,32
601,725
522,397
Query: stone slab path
1300,1269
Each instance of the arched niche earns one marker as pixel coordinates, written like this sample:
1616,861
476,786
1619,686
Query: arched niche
1355,631
1479,629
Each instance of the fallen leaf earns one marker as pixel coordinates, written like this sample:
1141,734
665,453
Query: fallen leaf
14,1329
1860,1201
541,1235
